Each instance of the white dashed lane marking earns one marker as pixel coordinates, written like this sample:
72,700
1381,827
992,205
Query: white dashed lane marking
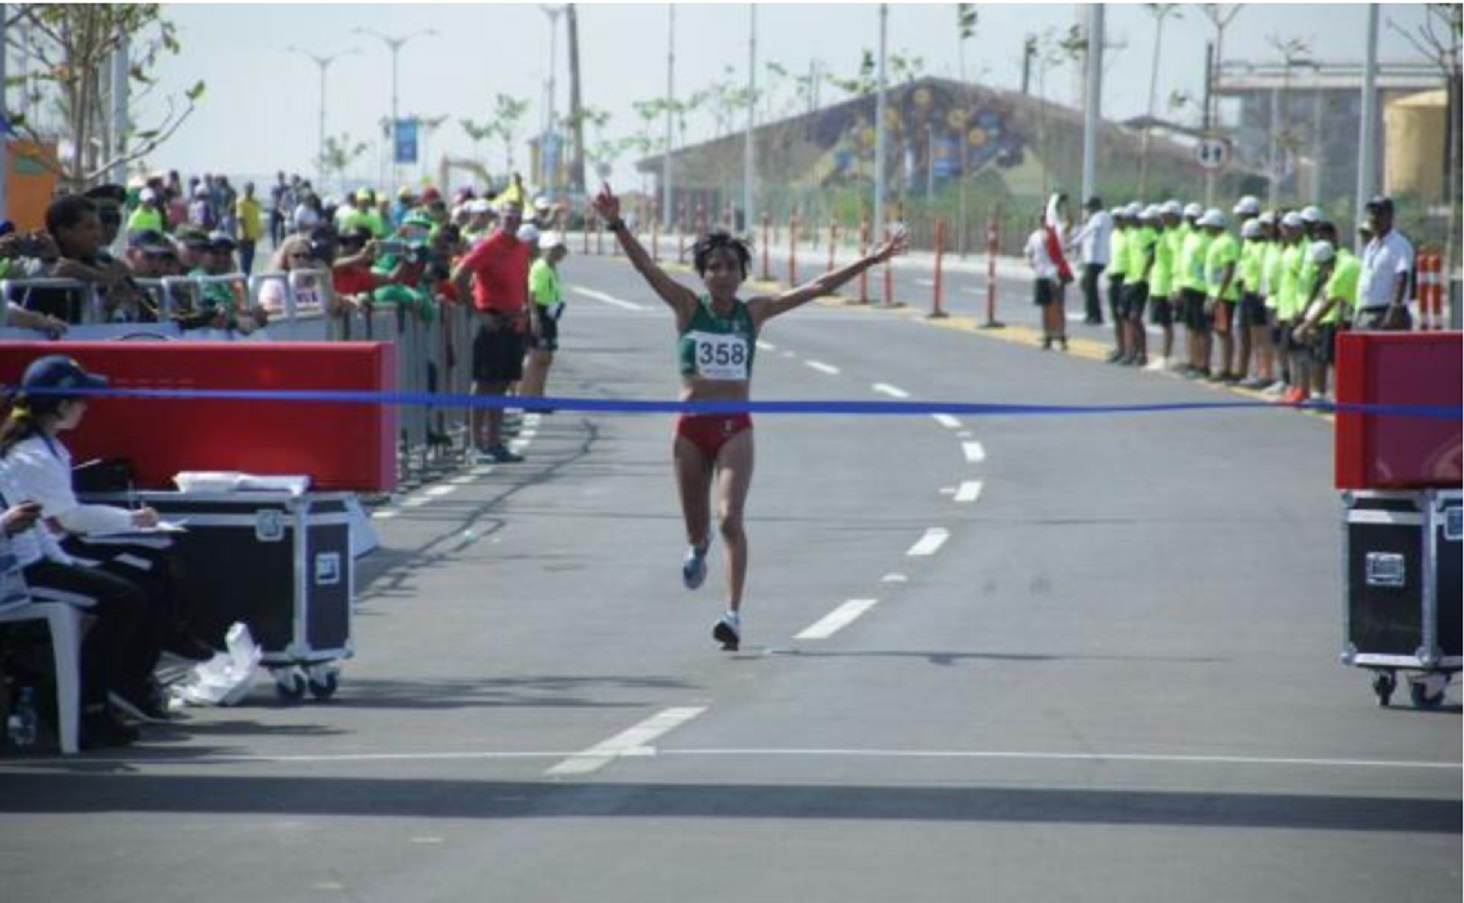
821,367
930,543
633,741
974,452
947,421
893,392
969,491
837,619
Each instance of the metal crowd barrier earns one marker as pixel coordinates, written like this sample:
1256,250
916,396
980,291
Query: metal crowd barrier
433,347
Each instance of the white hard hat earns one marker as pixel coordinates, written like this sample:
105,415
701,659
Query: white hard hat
1247,206
1321,251
1212,218
1193,210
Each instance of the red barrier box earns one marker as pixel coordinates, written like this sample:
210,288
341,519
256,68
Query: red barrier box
342,446
1375,451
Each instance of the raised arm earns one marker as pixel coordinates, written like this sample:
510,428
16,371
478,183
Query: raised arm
680,298
763,309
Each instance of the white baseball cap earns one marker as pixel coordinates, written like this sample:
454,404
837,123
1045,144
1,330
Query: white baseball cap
1293,220
1321,251
1212,218
1313,214
552,239
1172,208
528,233
1193,210
1251,229
1247,205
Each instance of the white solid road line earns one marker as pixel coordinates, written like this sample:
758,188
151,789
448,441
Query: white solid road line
836,620
630,742
975,454
887,389
947,421
969,491
1072,757
821,367
608,299
930,543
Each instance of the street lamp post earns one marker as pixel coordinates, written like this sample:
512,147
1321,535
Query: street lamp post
394,44
551,129
324,63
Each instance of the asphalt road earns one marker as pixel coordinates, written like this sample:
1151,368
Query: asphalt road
1084,657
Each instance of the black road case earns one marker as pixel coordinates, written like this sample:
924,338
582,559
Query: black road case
277,561
1401,564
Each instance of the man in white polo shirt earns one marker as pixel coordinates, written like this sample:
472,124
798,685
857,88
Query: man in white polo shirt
1387,263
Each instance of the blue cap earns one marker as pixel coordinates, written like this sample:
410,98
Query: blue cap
57,371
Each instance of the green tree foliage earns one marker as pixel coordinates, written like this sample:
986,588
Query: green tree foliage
72,46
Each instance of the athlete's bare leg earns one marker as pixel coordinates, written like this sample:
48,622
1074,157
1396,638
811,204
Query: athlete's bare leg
694,483
734,478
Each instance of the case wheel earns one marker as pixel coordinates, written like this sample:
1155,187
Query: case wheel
324,682
1383,684
1423,696
290,684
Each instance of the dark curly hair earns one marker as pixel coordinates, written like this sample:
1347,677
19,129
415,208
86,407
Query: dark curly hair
717,240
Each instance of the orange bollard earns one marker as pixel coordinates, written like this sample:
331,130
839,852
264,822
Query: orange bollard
833,241
1430,290
993,240
767,241
864,252
936,312
792,249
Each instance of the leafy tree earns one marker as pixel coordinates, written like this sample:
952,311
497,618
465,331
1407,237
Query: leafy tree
507,111
338,155
73,46
477,132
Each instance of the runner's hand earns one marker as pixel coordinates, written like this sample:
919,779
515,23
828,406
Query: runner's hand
897,243
606,203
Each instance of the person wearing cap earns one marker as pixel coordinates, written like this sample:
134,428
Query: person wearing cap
148,213
1339,270
1387,262
495,275
125,640
1273,350
1117,256
1094,240
108,199
480,221
151,255
1176,230
545,309
1139,264
1161,283
1193,287
404,203
1289,300
219,260
1255,345
1222,292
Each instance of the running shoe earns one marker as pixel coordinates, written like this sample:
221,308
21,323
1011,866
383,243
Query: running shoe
728,631
1275,388
694,565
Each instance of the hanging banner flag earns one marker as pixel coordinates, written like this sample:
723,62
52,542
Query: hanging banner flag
404,140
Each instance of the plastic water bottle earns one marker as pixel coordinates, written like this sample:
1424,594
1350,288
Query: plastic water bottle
20,728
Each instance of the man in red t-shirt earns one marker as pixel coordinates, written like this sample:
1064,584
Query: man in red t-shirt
498,268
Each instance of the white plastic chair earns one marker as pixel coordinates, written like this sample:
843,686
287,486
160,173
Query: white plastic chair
64,621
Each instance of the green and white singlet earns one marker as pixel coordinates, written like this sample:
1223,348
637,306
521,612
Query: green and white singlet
720,348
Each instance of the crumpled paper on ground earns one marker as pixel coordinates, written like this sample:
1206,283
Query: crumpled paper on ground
226,678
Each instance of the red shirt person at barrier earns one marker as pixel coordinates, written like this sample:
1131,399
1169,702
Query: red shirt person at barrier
498,269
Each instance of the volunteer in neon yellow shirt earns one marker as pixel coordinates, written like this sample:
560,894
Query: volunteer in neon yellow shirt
1190,278
1222,290
545,308
1161,279
1117,256
1139,250
1252,327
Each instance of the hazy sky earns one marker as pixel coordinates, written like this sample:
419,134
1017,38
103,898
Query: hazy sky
260,112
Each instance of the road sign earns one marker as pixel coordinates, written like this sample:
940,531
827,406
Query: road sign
1210,153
